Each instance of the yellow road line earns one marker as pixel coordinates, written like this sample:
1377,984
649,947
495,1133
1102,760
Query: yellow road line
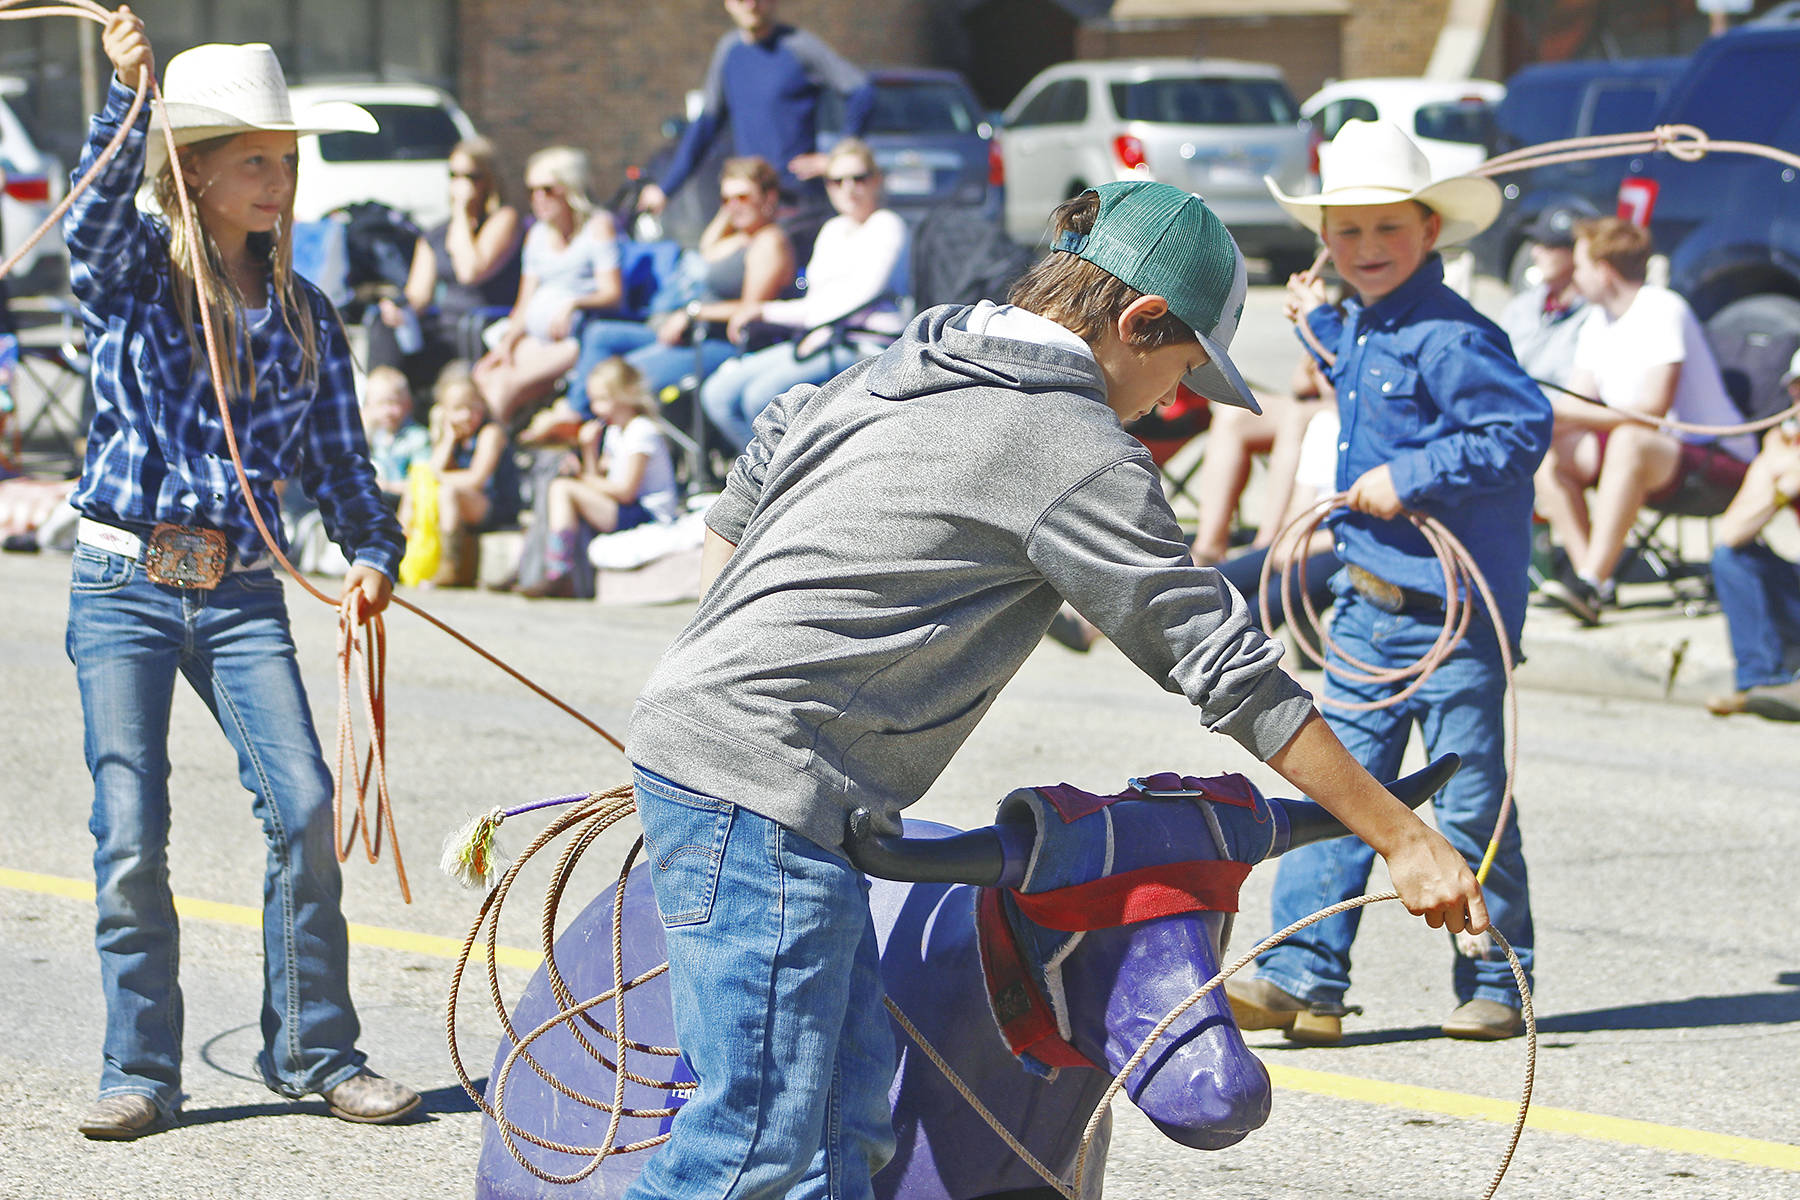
1553,1120
1593,1126
240,914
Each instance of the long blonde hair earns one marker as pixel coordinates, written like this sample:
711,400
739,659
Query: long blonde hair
222,295
480,151
569,167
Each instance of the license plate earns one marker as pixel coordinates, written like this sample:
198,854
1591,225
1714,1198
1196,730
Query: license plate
909,181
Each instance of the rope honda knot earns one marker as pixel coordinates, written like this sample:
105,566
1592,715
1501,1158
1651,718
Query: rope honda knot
1685,142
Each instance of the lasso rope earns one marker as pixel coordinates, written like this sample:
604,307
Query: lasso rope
362,638
593,816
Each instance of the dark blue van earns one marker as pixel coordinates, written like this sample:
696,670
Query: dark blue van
1729,223
1548,102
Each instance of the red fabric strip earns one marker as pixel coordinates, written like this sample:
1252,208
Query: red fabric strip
1140,895
1025,1019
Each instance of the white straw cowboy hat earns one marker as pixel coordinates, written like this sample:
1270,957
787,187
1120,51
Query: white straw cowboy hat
1374,162
217,89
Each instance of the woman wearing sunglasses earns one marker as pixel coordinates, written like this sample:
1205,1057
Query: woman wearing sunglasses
460,269
857,274
571,266
744,260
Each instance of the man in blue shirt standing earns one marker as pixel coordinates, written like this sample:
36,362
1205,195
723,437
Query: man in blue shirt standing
765,80
1438,419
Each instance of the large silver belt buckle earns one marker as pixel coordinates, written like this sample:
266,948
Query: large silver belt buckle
180,556
1377,591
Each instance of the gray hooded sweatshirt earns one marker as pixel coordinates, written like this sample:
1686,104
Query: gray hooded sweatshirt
904,535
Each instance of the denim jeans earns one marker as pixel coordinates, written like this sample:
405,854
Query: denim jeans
603,338
1759,592
736,393
1460,708
666,366
128,638
775,978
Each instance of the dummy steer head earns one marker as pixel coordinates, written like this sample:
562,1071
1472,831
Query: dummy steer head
1099,914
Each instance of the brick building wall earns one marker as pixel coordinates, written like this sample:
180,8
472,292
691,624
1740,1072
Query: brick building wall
602,75
1391,37
1307,48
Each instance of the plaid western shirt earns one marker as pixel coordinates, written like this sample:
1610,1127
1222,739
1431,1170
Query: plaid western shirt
157,448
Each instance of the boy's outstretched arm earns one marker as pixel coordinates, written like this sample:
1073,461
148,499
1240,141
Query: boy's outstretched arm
1433,880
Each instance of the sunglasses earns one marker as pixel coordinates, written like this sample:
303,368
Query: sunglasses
543,187
840,180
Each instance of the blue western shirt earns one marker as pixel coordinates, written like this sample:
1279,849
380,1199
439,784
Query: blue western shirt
769,91
157,449
1430,387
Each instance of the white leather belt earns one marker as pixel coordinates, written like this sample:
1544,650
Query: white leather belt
102,536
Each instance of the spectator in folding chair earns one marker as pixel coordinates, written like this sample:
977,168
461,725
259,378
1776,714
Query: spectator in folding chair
1643,352
1758,589
1232,443
462,269
856,276
748,259
571,265
1542,321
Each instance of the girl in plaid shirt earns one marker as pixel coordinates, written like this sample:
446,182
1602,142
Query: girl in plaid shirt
170,574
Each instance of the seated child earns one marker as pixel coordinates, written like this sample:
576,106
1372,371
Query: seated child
396,441
477,480
626,479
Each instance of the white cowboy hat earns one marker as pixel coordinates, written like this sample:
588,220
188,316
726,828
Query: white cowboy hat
218,89
1374,162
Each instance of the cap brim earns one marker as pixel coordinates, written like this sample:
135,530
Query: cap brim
1219,381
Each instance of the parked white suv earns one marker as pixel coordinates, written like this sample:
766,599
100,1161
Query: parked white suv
33,186
1212,126
1452,120
404,166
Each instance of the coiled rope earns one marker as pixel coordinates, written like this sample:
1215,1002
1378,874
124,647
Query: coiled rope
362,638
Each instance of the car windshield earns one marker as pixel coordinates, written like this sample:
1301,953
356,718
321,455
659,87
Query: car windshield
1455,121
1196,100
408,132
927,106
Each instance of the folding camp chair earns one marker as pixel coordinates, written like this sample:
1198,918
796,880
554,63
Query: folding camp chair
1753,340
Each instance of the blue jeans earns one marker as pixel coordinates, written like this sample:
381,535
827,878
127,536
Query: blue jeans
603,338
128,638
1759,592
666,366
1459,709
736,393
775,978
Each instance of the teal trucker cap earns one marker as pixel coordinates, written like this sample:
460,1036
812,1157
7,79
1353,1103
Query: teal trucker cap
1163,241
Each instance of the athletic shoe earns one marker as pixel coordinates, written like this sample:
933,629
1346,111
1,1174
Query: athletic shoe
1775,701
1577,595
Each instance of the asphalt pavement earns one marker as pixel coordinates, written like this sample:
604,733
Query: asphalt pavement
1661,843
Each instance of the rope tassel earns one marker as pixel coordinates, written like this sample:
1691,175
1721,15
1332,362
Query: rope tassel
470,856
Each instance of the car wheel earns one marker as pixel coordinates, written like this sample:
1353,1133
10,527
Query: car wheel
1754,338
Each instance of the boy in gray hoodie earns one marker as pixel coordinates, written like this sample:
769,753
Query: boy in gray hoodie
886,554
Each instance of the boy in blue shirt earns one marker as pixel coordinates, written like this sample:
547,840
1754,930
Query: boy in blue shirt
1439,419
